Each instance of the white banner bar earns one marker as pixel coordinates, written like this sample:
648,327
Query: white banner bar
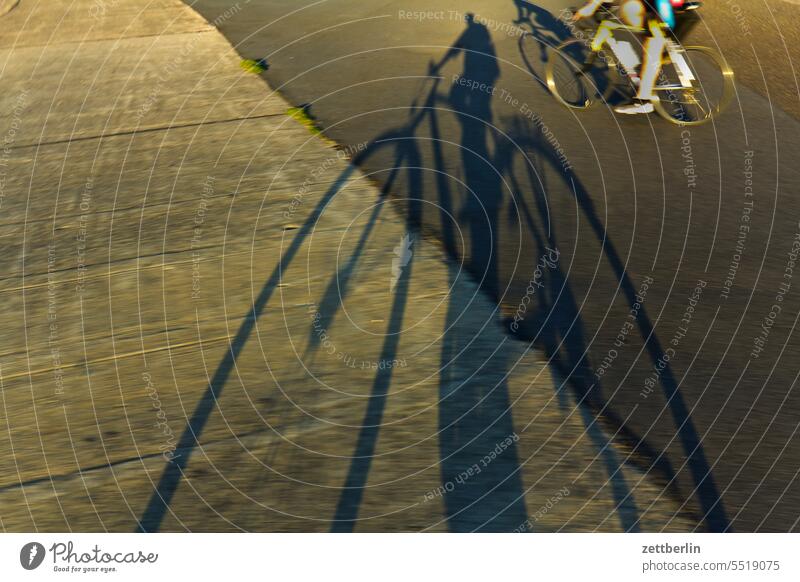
400,557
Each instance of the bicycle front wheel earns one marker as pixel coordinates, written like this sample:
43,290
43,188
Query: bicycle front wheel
710,93
576,77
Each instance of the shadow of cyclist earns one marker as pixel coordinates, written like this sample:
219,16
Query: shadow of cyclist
471,99
474,407
474,411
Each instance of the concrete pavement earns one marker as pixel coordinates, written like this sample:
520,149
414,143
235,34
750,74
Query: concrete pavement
212,321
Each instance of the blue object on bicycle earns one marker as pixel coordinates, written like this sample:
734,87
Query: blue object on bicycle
665,11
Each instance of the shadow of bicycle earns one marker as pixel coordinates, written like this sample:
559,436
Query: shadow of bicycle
543,32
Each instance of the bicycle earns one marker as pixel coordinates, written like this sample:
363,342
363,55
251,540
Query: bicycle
695,83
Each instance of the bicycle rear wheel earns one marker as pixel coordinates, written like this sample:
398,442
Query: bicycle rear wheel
711,91
574,79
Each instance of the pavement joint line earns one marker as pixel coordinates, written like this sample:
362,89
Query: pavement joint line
148,456
151,256
120,334
250,251
109,39
71,140
116,357
107,275
123,259
110,274
238,194
80,471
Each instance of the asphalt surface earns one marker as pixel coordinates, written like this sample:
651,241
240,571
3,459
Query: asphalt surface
177,357
665,306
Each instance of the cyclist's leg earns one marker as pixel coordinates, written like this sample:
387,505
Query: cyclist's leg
633,13
651,63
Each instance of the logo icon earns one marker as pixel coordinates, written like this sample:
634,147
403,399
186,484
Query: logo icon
402,256
31,555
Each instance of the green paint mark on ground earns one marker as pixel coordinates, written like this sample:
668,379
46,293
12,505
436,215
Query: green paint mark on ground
301,114
252,66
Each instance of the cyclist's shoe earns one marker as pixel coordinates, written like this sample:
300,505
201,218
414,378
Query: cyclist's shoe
636,107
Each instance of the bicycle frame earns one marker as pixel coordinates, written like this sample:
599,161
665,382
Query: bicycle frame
687,102
685,74
630,60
